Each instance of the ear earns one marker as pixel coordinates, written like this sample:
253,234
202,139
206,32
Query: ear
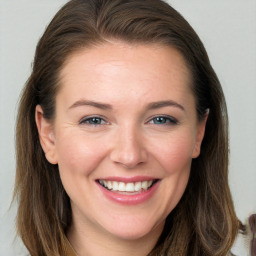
200,135
46,135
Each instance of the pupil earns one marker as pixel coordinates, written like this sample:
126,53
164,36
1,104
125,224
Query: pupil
160,120
95,120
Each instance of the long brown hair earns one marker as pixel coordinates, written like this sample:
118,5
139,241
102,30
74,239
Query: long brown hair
204,221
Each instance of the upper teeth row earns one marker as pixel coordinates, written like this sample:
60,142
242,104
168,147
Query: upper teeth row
126,187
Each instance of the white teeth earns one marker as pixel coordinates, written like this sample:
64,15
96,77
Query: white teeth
126,187
121,187
137,186
144,184
150,183
115,186
109,186
129,187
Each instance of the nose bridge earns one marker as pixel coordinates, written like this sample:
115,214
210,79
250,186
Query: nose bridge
129,147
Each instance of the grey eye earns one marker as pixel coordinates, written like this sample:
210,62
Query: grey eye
164,120
93,121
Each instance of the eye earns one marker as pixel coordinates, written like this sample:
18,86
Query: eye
93,121
164,120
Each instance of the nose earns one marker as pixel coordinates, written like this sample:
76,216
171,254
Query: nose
128,149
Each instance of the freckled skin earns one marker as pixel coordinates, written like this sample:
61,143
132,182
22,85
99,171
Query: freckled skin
128,143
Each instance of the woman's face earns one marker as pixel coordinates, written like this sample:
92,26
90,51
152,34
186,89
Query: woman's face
124,136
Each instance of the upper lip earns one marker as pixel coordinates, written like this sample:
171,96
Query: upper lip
128,179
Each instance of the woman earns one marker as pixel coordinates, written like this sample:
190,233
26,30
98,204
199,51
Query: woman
125,128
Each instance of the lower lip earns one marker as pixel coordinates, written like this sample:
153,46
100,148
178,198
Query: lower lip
132,199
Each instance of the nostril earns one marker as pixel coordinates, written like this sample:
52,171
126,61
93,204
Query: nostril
129,158
132,163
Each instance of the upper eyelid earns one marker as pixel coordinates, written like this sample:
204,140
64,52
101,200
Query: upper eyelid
84,119
164,116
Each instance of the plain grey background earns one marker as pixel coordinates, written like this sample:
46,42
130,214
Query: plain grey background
228,30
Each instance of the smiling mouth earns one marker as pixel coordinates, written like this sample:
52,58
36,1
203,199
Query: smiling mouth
129,187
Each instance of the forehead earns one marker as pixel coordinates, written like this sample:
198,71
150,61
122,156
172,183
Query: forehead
117,52
118,66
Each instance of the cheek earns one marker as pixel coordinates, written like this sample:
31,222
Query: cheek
175,157
175,153
78,155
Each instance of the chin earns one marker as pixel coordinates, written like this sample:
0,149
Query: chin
135,230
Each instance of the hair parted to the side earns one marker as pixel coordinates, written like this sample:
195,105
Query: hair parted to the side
204,221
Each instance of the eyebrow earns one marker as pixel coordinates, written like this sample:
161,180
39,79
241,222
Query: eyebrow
105,106
165,103
95,104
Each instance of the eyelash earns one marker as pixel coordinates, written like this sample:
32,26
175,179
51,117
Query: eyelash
168,120
87,120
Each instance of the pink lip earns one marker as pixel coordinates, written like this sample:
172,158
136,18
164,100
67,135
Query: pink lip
129,179
126,199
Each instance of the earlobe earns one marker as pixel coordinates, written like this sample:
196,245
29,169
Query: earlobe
200,135
46,135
